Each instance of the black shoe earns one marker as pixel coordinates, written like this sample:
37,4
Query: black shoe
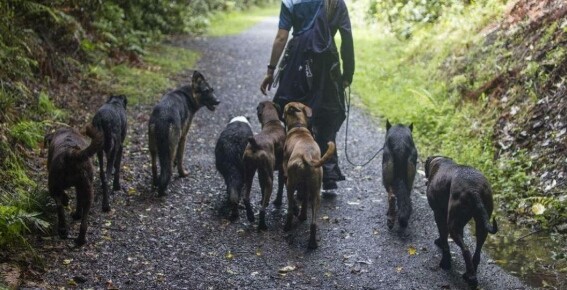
329,185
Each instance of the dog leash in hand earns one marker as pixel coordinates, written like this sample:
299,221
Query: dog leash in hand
346,137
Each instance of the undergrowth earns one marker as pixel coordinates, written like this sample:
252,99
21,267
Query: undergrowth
424,80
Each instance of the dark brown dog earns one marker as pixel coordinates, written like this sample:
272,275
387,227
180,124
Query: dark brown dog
264,154
69,165
457,193
302,167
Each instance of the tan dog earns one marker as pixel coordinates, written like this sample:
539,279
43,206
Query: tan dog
264,153
302,167
69,165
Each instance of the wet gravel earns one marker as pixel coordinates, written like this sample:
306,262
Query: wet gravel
184,241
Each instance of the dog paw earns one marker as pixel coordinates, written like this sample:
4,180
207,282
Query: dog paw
233,216
390,223
76,215
63,233
445,264
471,280
79,242
312,245
438,243
105,208
278,202
116,187
250,216
262,227
183,173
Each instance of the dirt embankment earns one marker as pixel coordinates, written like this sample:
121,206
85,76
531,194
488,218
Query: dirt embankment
530,90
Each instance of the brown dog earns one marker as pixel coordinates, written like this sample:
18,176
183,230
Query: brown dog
457,193
69,165
302,167
264,153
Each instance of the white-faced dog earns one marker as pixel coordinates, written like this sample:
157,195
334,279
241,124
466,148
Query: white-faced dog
228,154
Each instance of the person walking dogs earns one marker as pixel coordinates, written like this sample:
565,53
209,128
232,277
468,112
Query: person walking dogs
309,71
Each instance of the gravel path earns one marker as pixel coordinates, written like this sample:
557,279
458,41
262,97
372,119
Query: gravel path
183,241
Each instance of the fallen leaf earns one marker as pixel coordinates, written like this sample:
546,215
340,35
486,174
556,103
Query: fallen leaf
412,251
538,209
254,273
328,274
72,282
67,261
286,269
399,269
229,255
258,252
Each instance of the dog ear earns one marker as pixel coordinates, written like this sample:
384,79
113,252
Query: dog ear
307,111
196,79
278,108
47,140
388,125
411,127
125,100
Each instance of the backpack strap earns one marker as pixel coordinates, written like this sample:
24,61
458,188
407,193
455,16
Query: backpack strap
330,8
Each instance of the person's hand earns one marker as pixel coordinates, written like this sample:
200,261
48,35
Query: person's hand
267,83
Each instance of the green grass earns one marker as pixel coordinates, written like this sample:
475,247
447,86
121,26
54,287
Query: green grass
407,81
147,83
234,22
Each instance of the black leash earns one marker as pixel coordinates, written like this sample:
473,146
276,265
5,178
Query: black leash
346,137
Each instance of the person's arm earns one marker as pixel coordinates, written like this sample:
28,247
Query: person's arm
347,46
278,47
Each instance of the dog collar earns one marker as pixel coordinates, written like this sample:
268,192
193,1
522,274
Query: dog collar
272,121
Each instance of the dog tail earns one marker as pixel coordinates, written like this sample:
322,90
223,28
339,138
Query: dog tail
330,151
483,215
403,201
97,141
164,152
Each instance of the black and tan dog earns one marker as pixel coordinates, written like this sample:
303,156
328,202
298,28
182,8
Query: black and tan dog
169,124
228,159
69,165
264,154
302,167
111,120
457,194
398,171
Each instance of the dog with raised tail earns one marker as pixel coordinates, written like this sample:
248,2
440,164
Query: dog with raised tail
302,168
228,159
69,165
399,161
456,194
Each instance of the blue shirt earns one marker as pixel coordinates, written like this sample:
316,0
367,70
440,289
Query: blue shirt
298,14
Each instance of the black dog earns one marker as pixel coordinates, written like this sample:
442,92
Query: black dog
228,158
111,120
169,124
457,193
398,171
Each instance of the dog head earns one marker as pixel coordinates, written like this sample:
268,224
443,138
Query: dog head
268,111
388,126
203,92
432,165
296,115
120,100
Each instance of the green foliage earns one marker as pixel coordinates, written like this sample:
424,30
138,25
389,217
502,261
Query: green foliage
46,108
15,222
422,80
29,133
236,21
